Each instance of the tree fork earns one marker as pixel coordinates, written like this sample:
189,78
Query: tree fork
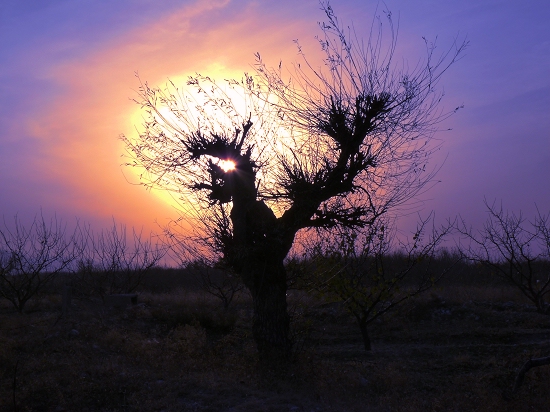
364,332
259,260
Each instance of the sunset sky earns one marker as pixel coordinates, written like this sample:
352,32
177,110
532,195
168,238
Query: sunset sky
67,78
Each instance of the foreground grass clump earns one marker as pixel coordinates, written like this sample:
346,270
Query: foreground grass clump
456,349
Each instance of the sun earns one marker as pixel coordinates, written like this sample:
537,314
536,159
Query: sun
227,165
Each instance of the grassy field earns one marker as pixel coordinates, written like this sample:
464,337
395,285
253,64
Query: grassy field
457,348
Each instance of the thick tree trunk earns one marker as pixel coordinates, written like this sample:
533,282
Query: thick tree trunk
258,254
271,320
362,322
257,251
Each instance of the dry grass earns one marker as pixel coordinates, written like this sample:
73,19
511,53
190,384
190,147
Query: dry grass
454,350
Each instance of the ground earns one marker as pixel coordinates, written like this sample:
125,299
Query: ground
455,349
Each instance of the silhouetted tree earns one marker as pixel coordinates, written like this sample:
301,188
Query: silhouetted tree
111,261
338,145
31,256
216,280
515,250
518,252
371,273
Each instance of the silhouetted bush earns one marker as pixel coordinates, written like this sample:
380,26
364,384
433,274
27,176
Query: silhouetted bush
515,251
31,256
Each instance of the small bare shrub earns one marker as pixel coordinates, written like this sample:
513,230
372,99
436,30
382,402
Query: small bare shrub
216,280
113,262
30,257
370,275
515,250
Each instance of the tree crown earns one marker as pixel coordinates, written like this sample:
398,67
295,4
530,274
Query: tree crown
337,145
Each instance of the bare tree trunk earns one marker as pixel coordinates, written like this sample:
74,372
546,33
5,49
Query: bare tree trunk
258,255
66,301
362,322
271,319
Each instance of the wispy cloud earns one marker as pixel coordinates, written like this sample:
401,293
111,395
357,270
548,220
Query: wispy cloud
69,141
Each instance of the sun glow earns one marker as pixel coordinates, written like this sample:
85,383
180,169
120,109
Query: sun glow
227,165
195,111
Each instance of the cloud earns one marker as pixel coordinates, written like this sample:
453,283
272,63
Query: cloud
75,146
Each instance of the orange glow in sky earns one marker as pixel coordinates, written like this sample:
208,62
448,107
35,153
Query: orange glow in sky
83,124
68,79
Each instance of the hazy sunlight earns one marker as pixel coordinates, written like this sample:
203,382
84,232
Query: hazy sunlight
227,165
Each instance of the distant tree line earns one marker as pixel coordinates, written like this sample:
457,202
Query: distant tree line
369,271
99,263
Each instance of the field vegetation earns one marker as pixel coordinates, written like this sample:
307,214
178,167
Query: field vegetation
457,347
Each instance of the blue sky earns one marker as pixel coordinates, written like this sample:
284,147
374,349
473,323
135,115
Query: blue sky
67,76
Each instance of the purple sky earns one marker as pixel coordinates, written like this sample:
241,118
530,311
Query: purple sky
67,73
